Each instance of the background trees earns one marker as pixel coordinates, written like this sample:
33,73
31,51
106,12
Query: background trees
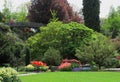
91,9
40,11
111,25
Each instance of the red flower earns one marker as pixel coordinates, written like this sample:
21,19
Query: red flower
38,63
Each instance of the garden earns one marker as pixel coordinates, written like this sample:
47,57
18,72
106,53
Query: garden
64,48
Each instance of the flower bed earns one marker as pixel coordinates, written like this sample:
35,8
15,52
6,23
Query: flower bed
70,65
37,66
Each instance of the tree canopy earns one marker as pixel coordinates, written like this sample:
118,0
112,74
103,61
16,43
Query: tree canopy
40,11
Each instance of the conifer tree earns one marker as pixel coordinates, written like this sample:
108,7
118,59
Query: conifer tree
91,10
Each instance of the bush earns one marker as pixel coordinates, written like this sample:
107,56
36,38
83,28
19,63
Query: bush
70,65
4,27
98,51
9,75
75,65
63,37
36,66
44,68
30,68
52,56
65,67
10,42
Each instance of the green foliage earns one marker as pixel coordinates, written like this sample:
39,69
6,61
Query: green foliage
110,25
74,65
6,12
11,47
98,51
63,37
111,63
54,16
52,56
21,14
0,16
4,27
27,57
9,75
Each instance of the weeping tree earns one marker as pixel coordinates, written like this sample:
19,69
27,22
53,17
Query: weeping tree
40,11
91,10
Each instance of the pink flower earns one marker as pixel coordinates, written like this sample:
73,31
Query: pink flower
64,65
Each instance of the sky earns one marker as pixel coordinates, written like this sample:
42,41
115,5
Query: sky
104,6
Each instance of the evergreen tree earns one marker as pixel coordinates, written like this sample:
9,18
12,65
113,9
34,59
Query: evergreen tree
40,11
91,10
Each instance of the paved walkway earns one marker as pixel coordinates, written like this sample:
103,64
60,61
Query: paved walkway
113,69
27,74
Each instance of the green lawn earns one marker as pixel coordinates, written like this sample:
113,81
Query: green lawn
73,77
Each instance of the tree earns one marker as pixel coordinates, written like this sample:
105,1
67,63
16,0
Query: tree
20,15
6,12
63,37
91,9
110,25
11,47
0,16
99,51
40,11
52,56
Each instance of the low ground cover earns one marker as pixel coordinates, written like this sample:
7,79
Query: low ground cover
72,77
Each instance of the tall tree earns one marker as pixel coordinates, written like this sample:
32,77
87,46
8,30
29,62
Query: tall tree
40,11
0,16
91,10
6,12
111,25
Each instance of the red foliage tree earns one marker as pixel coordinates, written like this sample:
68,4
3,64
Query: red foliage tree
39,11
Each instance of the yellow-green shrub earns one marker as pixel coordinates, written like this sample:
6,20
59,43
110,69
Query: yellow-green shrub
9,75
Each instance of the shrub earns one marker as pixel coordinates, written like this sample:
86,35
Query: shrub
65,67
98,51
63,37
30,67
4,27
75,65
10,42
69,65
52,56
38,66
44,68
9,75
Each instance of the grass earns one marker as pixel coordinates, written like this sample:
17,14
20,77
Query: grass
73,77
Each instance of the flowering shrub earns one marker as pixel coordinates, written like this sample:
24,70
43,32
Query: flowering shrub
8,75
69,65
37,66
38,63
65,66
30,67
